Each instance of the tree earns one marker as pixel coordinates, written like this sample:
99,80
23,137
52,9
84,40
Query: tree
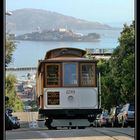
108,96
14,102
10,46
118,73
123,64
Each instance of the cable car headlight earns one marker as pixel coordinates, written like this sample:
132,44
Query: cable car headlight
70,98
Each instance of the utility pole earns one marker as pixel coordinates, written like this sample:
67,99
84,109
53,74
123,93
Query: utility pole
100,88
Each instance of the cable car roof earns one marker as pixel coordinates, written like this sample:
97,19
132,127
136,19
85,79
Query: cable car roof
60,52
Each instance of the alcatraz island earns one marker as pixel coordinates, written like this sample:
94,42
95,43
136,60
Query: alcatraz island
60,34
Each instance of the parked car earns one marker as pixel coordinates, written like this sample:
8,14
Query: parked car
9,111
8,122
112,119
127,115
101,120
15,121
11,122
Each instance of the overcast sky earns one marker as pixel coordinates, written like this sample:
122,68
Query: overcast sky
112,12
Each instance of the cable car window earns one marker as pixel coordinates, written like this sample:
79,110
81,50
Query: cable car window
70,74
87,72
52,75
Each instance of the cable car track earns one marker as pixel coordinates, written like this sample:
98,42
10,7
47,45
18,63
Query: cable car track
106,133
88,133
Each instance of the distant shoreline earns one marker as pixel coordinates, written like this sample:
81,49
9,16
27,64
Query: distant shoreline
20,32
55,41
